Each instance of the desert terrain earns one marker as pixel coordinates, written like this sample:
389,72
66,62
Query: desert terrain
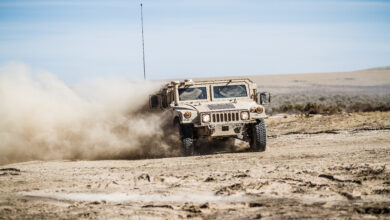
315,166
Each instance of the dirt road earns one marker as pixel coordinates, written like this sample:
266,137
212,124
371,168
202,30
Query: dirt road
324,173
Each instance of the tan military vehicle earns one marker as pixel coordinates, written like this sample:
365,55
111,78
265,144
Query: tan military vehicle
215,109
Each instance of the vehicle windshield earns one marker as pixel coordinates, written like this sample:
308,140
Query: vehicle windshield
193,93
229,91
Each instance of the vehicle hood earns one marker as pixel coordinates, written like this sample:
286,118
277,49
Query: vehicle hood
217,106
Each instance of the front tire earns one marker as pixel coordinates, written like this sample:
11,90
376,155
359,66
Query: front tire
259,136
188,146
187,139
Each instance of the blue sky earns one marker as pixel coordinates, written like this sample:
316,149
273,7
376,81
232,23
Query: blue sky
79,40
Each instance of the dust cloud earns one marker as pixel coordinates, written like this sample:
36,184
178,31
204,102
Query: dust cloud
41,118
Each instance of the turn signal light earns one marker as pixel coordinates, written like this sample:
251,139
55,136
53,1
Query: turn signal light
187,114
259,109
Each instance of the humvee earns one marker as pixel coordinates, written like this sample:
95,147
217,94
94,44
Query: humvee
214,109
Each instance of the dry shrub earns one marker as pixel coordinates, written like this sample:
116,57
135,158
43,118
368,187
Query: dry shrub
368,107
309,108
331,104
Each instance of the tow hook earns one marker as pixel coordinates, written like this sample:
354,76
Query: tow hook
211,128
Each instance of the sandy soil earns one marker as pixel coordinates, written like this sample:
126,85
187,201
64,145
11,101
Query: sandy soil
314,167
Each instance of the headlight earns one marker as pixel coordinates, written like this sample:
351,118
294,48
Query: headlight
244,115
187,114
206,118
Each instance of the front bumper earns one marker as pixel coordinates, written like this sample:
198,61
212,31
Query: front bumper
223,130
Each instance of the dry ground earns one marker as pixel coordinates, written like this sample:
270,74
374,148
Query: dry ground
314,167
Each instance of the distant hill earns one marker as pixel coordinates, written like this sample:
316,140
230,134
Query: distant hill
378,77
382,68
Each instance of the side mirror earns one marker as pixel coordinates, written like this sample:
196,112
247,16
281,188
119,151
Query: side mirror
154,102
264,98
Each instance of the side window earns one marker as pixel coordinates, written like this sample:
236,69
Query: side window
164,101
154,101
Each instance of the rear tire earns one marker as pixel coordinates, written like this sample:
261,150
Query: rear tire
259,136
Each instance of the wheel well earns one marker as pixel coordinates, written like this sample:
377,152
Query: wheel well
176,120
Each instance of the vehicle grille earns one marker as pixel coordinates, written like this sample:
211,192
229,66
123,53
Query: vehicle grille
225,116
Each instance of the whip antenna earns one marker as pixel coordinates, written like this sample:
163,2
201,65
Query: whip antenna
143,43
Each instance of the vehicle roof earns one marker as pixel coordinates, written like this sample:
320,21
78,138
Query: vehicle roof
200,82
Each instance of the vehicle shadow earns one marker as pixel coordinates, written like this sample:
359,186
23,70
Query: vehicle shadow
231,145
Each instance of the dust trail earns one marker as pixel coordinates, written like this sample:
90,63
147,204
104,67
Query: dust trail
42,118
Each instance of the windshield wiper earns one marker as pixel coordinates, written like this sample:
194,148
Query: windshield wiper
228,82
